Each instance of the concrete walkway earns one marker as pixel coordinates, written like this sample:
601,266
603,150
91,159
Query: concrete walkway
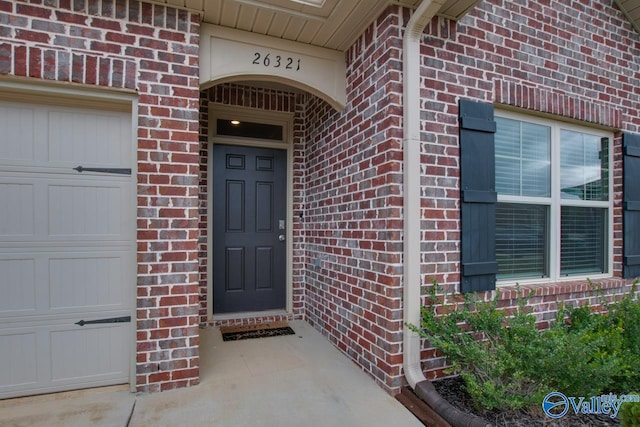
295,380
102,407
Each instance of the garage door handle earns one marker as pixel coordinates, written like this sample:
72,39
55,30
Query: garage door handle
123,319
120,171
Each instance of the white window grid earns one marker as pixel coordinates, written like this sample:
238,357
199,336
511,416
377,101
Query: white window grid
555,202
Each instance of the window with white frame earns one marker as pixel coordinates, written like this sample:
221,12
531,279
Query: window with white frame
553,217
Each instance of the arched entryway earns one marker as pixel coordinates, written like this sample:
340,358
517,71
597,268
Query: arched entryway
273,144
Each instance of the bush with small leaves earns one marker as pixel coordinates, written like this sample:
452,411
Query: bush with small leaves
630,413
506,363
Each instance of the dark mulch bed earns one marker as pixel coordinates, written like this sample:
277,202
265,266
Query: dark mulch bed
451,390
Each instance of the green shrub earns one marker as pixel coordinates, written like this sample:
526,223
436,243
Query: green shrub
625,317
573,356
630,413
496,355
506,363
616,333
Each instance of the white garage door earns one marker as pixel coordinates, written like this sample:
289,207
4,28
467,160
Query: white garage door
67,248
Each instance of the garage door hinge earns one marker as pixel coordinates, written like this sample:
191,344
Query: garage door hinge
123,319
119,171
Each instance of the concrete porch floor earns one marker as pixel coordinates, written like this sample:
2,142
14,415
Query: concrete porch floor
295,380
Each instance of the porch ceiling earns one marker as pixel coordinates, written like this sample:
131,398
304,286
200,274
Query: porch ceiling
631,8
333,24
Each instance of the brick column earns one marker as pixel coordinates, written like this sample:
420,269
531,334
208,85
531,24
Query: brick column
153,50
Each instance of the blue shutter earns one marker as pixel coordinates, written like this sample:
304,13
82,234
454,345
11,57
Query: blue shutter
478,196
631,205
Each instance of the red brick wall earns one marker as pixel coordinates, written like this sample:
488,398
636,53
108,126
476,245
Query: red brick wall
354,207
153,50
264,100
573,60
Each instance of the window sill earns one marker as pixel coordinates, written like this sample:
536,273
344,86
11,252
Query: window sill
559,287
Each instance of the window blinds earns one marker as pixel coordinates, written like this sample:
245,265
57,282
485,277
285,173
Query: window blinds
521,240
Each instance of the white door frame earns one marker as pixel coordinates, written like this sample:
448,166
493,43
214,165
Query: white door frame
220,111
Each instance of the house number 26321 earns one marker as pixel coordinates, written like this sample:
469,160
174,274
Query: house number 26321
276,61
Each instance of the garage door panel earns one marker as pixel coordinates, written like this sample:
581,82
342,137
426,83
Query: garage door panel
89,353
88,281
17,139
17,286
18,351
63,356
38,135
86,210
86,138
17,209
45,208
64,281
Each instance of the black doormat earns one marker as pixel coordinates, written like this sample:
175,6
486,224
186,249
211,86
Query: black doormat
237,333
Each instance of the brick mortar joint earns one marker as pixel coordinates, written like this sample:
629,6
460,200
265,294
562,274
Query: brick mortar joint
503,85
190,17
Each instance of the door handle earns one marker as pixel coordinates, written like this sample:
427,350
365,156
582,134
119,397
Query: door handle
282,237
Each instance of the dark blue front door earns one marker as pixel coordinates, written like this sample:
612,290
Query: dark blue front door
249,219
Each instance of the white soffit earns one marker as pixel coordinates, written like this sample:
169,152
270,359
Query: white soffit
334,24
456,9
631,9
313,21
316,3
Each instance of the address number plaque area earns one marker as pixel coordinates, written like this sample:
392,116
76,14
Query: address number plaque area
271,59
228,55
